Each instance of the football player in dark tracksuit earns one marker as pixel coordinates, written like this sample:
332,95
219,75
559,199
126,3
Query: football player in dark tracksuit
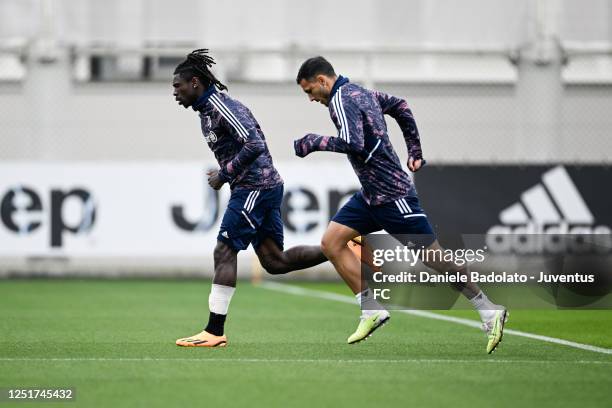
388,199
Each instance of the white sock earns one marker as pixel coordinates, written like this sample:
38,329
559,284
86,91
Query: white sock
219,298
486,309
367,303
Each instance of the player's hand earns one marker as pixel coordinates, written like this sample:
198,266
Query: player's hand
414,165
214,180
301,147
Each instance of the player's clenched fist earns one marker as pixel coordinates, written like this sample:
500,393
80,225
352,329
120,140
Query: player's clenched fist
303,146
414,164
214,179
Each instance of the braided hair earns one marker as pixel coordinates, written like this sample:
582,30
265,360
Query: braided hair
198,64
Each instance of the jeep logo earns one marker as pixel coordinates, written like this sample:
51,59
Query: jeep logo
22,212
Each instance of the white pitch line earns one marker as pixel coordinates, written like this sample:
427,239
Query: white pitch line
296,290
298,360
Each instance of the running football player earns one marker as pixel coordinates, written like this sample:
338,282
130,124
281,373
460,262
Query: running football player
253,214
388,199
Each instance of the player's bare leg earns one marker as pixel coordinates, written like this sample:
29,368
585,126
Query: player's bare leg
493,316
334,246
469,289
226,265
277,262
224,284
364,252
348,266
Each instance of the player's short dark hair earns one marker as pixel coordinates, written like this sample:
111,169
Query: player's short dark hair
198,64
315,66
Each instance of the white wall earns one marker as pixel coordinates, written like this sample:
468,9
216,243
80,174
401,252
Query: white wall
278,22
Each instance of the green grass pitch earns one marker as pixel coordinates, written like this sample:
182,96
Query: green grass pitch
113,341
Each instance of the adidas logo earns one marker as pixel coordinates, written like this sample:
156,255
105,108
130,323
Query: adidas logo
225,234
553,206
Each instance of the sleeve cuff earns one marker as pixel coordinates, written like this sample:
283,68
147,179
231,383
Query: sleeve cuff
224,176
417,155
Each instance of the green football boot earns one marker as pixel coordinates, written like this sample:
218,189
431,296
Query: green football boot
495,329
367,325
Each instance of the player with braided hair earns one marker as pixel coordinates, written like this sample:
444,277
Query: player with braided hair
198,63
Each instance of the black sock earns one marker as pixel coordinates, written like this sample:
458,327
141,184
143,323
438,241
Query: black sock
216,323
